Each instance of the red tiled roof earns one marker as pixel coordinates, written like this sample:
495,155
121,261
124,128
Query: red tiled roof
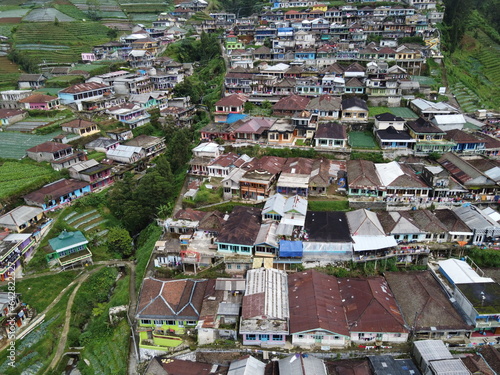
38,98
77,123
55,190
49,147
292,103
234,100
6,113
83,87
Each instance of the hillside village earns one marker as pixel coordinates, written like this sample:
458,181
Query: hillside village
305,197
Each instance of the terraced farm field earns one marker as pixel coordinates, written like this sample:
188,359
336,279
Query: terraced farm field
59,43
474,73
15,176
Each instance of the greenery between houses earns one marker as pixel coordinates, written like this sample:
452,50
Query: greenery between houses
145,245
328,205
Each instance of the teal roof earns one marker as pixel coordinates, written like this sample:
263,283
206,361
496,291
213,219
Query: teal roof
67,240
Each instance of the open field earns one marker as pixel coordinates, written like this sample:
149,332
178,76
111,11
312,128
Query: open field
362,140
9,73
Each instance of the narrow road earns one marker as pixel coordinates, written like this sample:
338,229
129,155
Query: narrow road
64,334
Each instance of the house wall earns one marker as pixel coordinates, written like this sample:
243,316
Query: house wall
365,337
178,325
264,339
319,338
226,248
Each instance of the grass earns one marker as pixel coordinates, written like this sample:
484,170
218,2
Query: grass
41,291
403,112
328,205
146,243
362,140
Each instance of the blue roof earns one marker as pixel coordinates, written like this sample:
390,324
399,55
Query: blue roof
233,117
290,248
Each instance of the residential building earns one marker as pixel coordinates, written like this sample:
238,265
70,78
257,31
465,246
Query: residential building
126,154
102,144
429,138
40,102
354,110
152,146
21,218
426,307
166,309
57,194
11,116
239,233
81,127
330,136
59,155
317,316
265,312
15,249
76,94
31,81
130,114
372,313
69,248
96,174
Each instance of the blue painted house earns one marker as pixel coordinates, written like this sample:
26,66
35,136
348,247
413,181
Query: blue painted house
305,54
57,194
465,142
240,231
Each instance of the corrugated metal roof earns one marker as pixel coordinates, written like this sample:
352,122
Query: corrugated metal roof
247,366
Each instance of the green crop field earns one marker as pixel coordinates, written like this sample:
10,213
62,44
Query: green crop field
13,145
15,176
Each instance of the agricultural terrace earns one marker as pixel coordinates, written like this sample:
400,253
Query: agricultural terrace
474,72
9,73
63,42
13,145
15,177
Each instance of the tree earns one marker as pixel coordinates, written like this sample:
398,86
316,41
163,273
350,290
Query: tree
119,241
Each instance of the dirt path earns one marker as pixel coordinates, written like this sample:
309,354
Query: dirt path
64,334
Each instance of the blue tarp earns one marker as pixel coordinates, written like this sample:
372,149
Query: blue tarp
290,248
233,117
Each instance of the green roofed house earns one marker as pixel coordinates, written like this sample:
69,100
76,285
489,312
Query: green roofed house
69,249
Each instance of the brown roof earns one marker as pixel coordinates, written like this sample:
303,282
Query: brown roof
349,367
242,226
213,221
355,67
452,222
271,164
370,306
362,173
169,366
325,102
408,179
298,166
234,100
490,142
477,365
6,113
82,87
460,136
189,214
331,130
55,190
292,103
174,299
492,356
315,303
419,292
49,147
77,123
38,98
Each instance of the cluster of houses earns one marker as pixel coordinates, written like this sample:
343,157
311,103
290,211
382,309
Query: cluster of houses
428,357
310,309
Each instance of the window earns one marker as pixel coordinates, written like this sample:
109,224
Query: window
229,266
396,236
414,237
251,337
277,338
158,322
145,321
361,335
428,236
191,322
318,337
238,266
